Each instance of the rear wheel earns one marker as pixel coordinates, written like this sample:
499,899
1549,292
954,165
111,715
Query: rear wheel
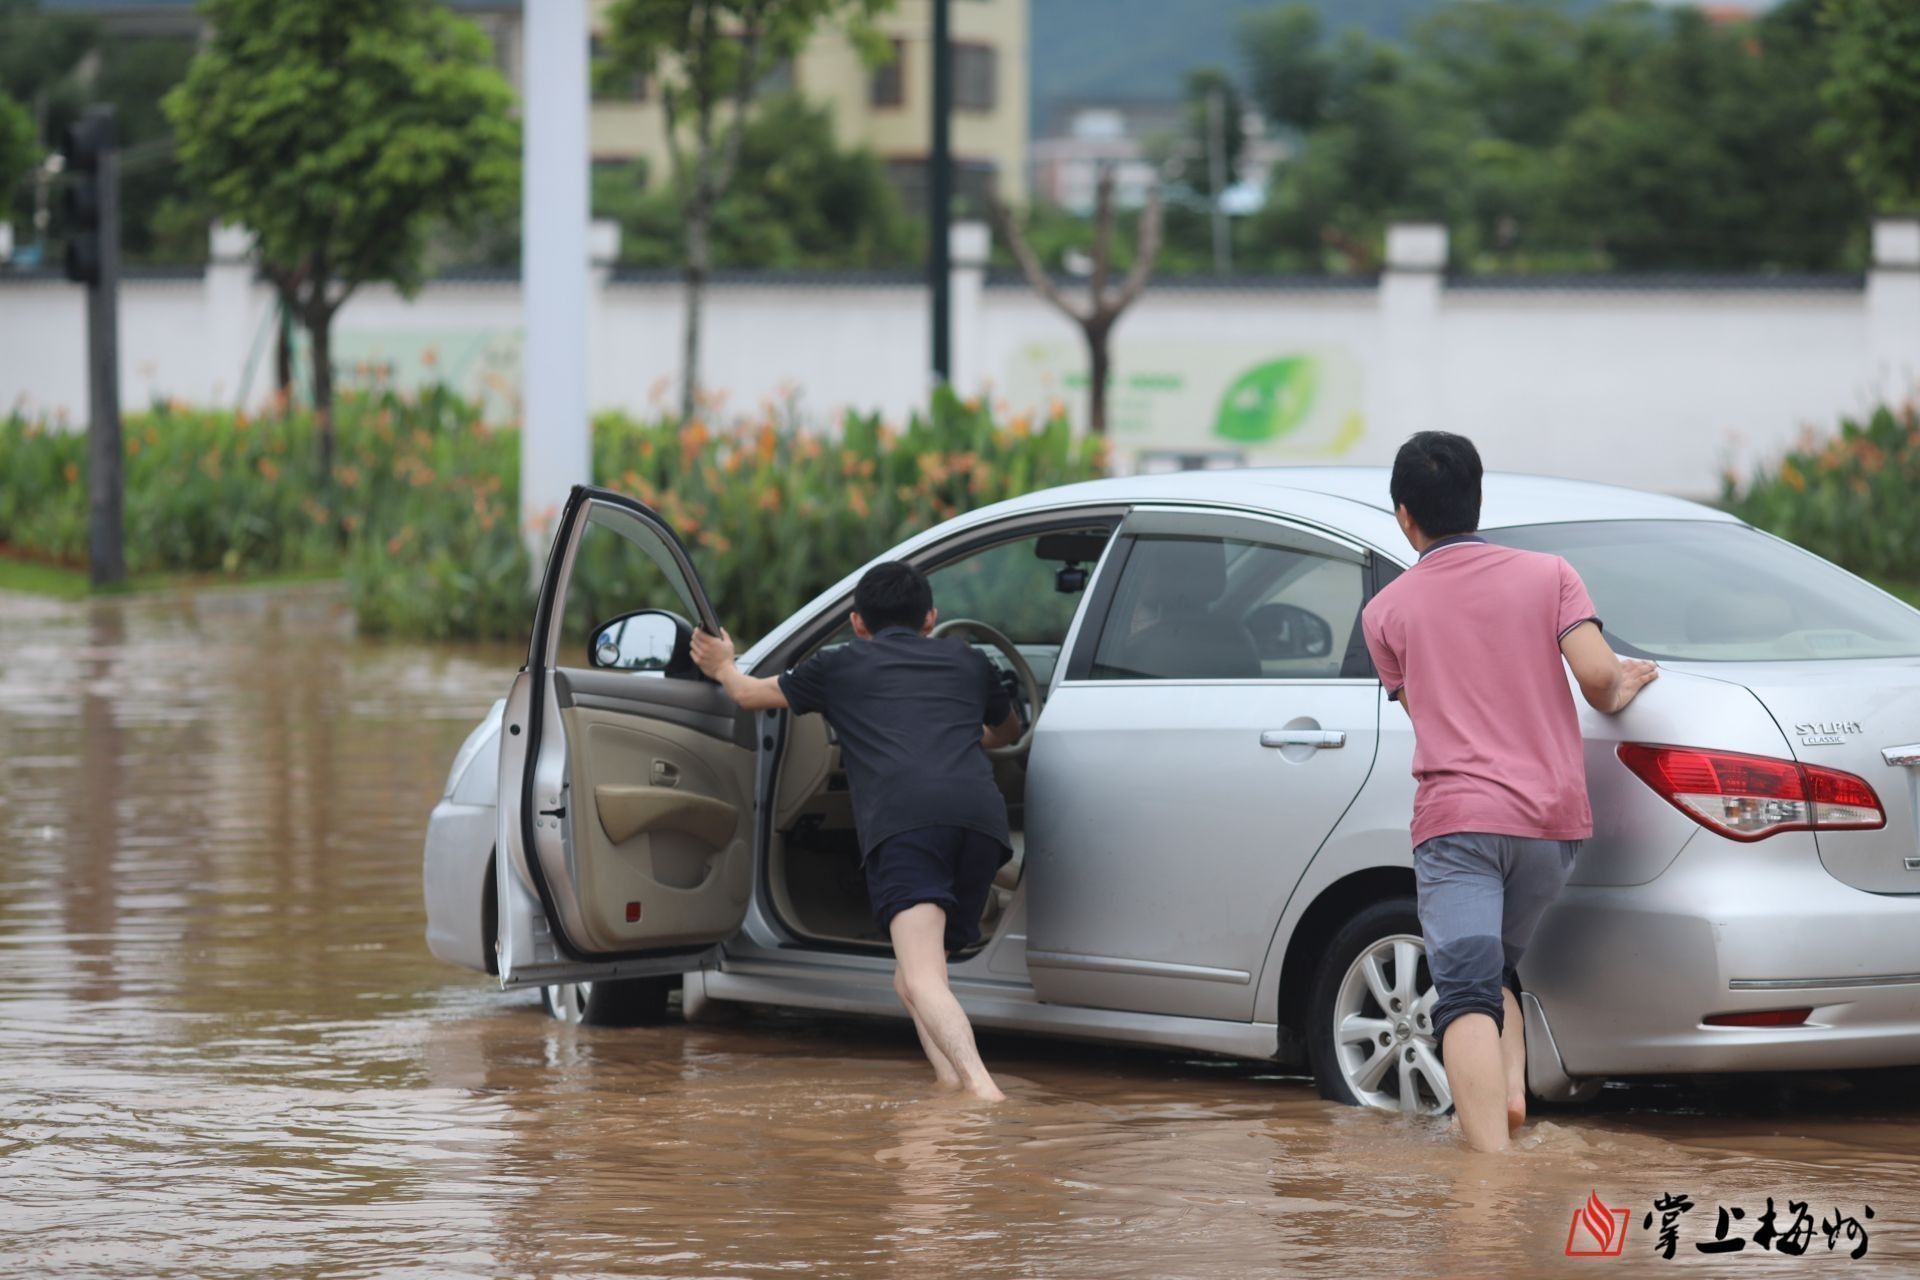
628,1002
1370,1015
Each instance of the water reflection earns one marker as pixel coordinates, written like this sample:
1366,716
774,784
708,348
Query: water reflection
225,1050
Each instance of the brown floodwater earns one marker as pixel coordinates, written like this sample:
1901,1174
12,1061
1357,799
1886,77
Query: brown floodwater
225,1050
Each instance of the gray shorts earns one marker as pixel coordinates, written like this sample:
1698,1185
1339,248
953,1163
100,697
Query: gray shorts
1480,898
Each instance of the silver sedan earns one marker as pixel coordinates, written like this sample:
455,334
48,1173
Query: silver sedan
1212,798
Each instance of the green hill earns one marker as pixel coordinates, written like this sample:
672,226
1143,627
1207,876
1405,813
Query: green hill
1144,48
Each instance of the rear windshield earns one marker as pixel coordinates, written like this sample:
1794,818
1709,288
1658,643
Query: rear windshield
1702,591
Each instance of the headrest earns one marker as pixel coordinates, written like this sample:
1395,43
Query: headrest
1180,571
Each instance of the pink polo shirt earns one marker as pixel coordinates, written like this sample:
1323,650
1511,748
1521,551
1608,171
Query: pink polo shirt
1472,633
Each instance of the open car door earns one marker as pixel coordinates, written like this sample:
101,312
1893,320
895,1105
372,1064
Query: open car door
625,819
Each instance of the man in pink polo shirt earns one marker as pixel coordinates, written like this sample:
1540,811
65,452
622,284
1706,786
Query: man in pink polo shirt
1471,641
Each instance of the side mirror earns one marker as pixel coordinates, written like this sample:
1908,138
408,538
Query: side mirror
1287,631
649,640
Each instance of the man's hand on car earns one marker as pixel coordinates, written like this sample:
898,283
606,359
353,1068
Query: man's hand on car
711,652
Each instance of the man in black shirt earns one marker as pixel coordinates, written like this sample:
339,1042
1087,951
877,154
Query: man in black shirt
912,714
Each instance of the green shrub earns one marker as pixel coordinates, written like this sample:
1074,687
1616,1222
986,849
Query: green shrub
1850,498
422,512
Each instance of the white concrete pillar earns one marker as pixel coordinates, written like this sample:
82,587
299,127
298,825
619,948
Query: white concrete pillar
969,246
1408,396
555,449
231,341
1893,309
603,253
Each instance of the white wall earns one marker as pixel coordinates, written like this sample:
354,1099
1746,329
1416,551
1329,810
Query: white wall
1651,384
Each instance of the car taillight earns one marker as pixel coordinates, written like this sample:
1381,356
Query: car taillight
1752,797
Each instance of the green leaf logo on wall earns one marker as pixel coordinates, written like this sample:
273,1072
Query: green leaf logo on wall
1268,400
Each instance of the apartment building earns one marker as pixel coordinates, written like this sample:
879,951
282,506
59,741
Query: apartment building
889,108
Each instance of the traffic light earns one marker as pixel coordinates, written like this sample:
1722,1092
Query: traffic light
84,201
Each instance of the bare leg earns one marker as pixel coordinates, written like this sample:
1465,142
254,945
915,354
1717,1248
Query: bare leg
943,1073
1513,1054
920,950
1478,1077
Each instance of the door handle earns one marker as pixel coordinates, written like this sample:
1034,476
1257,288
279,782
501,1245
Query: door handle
1323,738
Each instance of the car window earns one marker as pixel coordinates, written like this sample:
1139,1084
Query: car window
1011,589
1707,591
1213,608
619,565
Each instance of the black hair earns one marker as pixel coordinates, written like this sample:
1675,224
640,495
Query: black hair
892,594
1436,477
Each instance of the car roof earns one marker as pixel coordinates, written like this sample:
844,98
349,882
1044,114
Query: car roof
1347,500
1508,498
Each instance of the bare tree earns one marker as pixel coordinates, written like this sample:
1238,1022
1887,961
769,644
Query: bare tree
1101,309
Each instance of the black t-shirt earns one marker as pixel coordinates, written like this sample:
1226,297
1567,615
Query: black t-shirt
908,711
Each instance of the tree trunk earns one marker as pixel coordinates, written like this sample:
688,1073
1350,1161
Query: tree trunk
283,354
696,300
320,338
1099,368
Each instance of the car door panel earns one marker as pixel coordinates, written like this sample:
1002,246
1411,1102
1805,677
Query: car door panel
626,805
1170,819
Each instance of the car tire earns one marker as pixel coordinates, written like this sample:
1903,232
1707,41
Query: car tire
1389,930
627,1002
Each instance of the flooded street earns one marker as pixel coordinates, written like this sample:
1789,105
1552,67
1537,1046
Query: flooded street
225,1050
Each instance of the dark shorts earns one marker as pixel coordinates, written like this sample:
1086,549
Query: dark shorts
951,867
1480,898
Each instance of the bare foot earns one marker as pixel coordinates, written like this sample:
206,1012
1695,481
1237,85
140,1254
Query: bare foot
987,1091
1516,1113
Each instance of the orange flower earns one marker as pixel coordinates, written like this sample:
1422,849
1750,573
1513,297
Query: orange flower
1791,477
769,498
693,438
857,499
73,473
268,469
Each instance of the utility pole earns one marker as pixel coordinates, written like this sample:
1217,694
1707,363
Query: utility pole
92,204
940,195
1217,179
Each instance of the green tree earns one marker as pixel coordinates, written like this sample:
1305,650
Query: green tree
1709,153
40,92
1291,70
1632,137
1873,92
799,200
343,133
19,149
709,60
1210,89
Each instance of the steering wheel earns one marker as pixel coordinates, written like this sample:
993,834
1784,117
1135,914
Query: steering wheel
980,630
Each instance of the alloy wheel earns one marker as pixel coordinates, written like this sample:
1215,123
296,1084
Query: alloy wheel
567,1001
1383,1030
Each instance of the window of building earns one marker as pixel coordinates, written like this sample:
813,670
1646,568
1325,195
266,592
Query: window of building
976,77
611,84
888,88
